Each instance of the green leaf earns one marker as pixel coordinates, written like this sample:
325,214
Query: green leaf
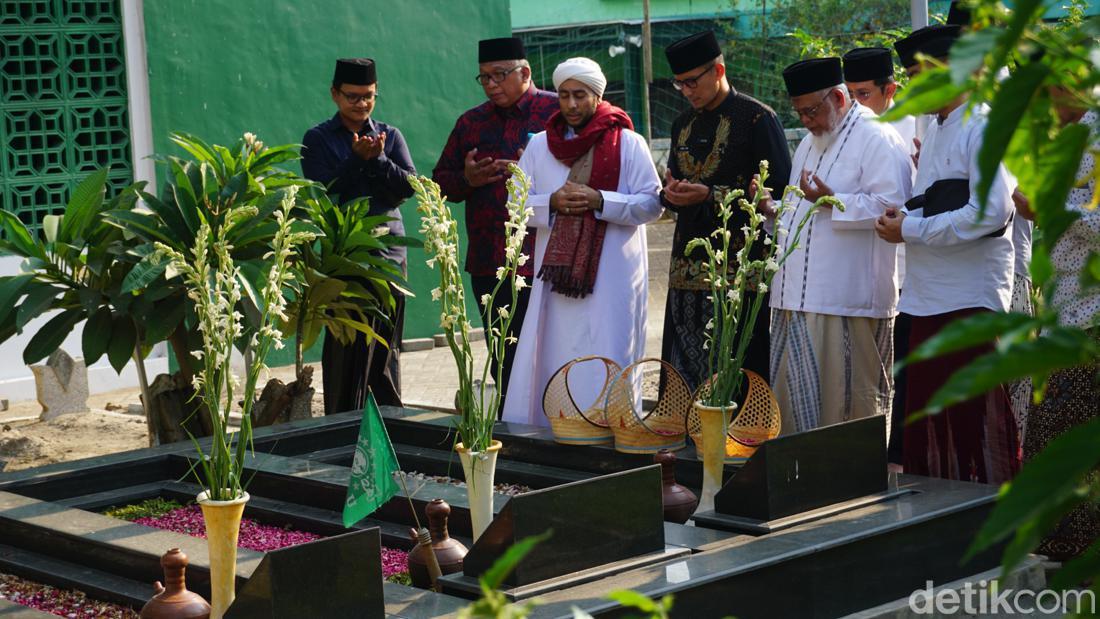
1005,112
51,335
1050,478
171,217
1057,171
144,273
968,332
97,334
969,51
85,203
50,226
1022,14
19,238
123,339
274,156
11,288
1090,275
1058,348
143,225
39,299
929,92
162,321
504,565
633,599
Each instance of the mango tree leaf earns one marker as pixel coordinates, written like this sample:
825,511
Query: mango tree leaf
1050,478
1090,275
274,156
504,565
969,51
170,216
39,299
97,335
1057,171
123,339
11,288
84,205
1058,348
1023,12
51,335
633,599
1028,535
1005,112
929,91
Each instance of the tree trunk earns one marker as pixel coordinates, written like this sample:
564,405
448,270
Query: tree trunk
143,382
279,403
178,414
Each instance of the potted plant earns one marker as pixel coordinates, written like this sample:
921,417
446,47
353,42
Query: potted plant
731,326
476,401
214,284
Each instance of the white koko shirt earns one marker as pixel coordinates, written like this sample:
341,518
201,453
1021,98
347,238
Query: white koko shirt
950,263
841,266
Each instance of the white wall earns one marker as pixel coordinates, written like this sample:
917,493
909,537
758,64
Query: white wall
16,380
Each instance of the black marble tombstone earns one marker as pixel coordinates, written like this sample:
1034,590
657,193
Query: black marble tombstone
599,526
806,476
338,576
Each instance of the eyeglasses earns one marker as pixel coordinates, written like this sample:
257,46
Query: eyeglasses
356,99
495,77
691,82
811,112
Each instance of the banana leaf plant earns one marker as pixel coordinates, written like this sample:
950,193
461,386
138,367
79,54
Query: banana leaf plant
343,285
78,268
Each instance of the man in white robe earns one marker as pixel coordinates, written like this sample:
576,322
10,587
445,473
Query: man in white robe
834,298
589,171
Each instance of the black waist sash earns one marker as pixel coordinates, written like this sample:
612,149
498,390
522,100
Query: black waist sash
945,195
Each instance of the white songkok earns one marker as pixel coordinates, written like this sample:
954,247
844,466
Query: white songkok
585,71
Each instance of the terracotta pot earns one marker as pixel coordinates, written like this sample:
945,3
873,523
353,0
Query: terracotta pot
173,600
449,552
480,470
679,501
223,526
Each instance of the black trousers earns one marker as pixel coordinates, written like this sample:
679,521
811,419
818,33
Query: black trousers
483,285
348,372
902,325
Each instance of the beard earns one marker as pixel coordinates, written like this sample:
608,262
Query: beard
826,139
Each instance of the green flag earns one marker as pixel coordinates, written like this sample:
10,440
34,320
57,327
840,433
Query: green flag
371,483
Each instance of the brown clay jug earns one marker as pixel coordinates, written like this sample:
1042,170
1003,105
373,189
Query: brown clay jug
448,551
679,502
173,600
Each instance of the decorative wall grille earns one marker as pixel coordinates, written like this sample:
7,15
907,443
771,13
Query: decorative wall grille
63,107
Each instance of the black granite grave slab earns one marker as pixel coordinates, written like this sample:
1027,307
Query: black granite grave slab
599,526
822,569
335,577
803,472
11,610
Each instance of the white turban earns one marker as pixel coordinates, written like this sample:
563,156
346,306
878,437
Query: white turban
585,71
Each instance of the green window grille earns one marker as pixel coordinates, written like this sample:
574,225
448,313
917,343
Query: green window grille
63,107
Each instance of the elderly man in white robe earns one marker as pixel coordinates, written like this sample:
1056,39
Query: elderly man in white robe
834,298
593,189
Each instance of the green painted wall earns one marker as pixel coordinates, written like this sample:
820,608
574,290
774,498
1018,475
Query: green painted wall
540,14
220,68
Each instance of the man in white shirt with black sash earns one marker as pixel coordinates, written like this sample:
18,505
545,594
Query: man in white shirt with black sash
834,299
959,262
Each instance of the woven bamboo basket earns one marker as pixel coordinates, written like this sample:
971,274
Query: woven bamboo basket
639,432
757,420
570,423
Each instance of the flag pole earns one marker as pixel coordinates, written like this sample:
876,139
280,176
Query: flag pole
421,535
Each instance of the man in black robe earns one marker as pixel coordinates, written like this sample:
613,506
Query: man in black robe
716,147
